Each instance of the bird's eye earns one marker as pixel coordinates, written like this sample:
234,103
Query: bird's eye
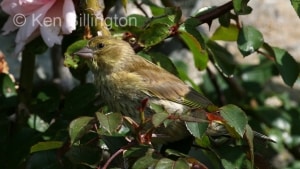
100,45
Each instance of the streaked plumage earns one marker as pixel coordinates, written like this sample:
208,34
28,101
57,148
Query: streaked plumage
125,79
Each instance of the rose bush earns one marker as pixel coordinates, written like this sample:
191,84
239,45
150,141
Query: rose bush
48,18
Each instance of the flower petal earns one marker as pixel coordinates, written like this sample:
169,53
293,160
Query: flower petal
33,21
9,26
69,16
50,35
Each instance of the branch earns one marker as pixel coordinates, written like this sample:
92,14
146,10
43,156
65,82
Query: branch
219,11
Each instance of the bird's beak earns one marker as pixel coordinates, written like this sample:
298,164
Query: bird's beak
85,52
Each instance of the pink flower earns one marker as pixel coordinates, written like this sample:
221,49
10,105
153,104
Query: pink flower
48,18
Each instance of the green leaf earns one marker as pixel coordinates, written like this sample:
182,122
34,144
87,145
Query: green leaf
241,8
136,151
200,55
181,164
296,6
235,117
164,163
147,161
235,159
110,122
197,129
70,59
224,20
229,33
79,127
224,60
287,66
7,86
136,20
155,9
47,145
35,122
159,118
249,40
154,34
164,62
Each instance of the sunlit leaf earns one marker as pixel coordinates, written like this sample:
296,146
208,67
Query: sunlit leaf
70,59
229,33
249,40
47,145
200,55
235,117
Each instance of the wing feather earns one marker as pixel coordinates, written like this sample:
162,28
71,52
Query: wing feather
164,85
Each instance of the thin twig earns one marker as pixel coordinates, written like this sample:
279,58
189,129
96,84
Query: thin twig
266,55
139,6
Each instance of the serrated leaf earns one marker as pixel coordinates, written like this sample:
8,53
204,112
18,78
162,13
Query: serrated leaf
47,145
296,6
7,86
249,40
110,122
200,55
229,33
235,117
241,7
224,60
70,59
154,34
287,66
196,129
79,127
159,118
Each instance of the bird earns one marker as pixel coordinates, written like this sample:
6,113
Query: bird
128,83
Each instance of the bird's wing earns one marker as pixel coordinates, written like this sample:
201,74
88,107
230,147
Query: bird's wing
164,85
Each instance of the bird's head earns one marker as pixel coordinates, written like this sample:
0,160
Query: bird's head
105,53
